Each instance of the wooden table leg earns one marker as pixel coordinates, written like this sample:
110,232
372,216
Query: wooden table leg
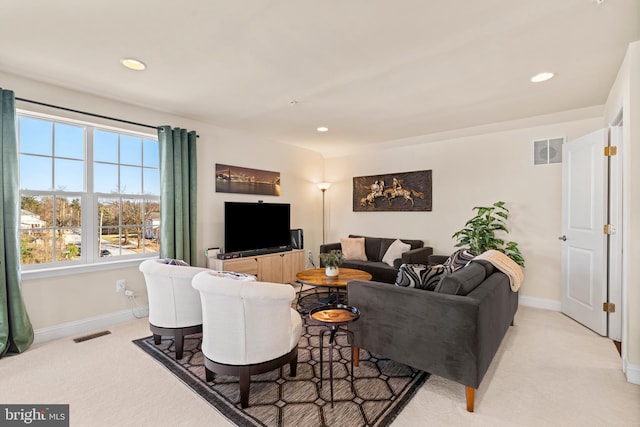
471,394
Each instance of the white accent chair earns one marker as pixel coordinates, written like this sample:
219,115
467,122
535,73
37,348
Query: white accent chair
248,328
174,306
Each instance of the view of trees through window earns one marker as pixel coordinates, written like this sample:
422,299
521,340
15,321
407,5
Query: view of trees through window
86,193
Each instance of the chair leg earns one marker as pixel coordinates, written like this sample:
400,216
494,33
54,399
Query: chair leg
293,366
356,356
157,339
179,342
245,379
208,375
471,394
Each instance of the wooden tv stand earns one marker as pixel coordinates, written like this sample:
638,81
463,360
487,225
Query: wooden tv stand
279,267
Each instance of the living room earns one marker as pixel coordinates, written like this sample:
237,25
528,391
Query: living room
476,165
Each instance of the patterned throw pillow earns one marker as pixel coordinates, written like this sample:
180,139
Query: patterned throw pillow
170,261
233,275
409,275
460,258
421,276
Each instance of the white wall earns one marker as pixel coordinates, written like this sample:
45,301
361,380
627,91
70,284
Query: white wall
66,300
468,172
625,94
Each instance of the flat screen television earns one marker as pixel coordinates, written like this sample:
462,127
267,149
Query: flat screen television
257,227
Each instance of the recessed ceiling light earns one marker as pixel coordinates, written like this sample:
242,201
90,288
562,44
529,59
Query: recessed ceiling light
541,77
322,129
133,64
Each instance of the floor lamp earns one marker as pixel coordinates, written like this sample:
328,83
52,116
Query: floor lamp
323,186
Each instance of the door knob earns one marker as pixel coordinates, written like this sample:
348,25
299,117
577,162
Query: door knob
563,238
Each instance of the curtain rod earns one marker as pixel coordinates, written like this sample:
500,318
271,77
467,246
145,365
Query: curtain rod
87,113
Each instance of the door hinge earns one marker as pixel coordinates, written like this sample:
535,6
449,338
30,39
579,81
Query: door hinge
609,229
608,307
610,150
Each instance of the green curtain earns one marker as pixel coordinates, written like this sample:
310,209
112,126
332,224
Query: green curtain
16,332
178,189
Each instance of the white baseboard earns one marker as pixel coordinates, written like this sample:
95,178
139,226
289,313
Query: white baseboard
547,304
86,325
632,372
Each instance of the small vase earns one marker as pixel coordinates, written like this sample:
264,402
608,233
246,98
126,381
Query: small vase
331,271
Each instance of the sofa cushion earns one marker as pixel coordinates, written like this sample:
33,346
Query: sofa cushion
460,258
489,268
395,251
353,248
421,276
371,247
376,247
463,280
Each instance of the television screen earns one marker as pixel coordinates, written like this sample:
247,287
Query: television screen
256,226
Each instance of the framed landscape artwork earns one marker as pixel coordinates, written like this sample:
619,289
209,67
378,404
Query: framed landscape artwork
404,191
236,179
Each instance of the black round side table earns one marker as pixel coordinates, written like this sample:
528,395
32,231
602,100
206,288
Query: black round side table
334,316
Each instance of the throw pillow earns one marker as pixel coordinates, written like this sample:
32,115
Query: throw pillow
233,275
170,261
459,258
409,275
395,251
353,248
421,276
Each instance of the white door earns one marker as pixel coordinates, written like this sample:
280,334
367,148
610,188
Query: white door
584,213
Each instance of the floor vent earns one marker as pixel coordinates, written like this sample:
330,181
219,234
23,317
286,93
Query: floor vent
91,336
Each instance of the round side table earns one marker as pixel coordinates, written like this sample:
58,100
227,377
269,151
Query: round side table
336,287
334,316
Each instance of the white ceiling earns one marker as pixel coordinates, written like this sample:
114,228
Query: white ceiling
373,71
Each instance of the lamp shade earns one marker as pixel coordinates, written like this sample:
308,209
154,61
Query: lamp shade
324,186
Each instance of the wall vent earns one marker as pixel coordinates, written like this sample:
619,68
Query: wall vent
547,151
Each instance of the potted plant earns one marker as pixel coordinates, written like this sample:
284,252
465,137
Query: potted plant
331,261
479,233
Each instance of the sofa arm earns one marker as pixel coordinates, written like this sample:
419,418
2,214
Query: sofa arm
437,259
417,256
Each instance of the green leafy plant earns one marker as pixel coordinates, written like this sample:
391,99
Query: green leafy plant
479,233
332,259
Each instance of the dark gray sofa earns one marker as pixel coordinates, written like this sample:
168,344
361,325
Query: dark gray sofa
454,335
375,248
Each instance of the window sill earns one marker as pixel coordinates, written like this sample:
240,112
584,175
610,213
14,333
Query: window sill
82,268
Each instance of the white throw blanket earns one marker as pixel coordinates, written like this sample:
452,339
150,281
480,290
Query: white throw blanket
505,264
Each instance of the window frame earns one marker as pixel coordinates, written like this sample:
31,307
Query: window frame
89,258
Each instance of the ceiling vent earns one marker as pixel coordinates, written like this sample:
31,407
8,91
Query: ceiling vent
547,151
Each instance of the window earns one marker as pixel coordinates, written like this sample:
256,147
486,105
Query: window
88,193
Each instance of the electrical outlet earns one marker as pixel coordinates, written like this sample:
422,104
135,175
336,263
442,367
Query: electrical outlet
121,285
129,294
309,253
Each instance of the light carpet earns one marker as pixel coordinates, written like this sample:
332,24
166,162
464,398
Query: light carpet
549,372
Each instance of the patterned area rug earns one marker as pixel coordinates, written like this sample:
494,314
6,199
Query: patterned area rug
382,386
